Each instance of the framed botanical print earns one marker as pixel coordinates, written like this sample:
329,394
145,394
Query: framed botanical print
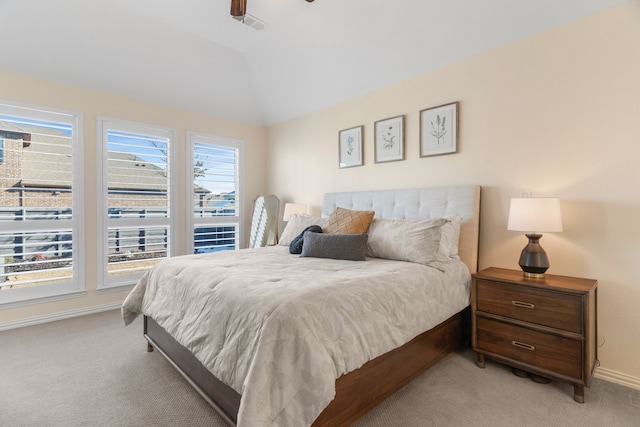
439,130
350,147
389,139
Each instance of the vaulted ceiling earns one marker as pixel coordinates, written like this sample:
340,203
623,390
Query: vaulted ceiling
191,54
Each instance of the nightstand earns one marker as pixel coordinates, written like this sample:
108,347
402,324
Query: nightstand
544,326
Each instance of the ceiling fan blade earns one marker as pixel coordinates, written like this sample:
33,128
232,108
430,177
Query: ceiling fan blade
238,7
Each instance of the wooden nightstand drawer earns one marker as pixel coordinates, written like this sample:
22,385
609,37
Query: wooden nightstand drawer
540,306
543,325
550,352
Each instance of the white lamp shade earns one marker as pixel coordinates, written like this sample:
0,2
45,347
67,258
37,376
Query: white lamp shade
535,214
292,209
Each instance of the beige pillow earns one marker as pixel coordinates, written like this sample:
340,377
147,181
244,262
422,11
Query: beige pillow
297,223
406,240
346,221
450,238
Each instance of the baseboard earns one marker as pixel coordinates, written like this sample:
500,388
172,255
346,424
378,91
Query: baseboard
4,326
617,377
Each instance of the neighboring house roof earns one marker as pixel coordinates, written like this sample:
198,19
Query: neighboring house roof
11,127
219,204
129,172
220,200
46,162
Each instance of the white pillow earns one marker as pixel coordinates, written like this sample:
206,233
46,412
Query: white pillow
406,240
450,238
297,223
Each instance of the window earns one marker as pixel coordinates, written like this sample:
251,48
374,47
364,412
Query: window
215,189
40,210
135,211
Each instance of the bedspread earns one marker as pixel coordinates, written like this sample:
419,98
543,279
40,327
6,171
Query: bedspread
280,329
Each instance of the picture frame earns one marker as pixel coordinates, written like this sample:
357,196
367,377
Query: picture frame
439,130
389,139
350,147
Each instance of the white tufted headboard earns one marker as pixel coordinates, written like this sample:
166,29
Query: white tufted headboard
420,203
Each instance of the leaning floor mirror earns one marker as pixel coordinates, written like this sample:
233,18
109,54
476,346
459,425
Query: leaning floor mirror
264,221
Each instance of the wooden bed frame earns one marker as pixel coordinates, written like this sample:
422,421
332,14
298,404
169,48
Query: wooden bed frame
357,392
361,390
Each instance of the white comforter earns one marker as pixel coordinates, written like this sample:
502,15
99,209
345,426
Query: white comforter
280,329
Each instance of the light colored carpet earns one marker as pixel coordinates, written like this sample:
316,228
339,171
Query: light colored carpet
91,371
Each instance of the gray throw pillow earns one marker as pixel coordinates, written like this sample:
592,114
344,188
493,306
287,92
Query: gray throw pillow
296,244
350,247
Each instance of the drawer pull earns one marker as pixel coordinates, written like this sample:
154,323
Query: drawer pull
523,345
523,304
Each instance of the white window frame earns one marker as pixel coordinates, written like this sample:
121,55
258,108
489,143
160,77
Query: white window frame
74,287
192,221
104,223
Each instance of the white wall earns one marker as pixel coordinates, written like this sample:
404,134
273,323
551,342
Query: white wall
556,113
92,104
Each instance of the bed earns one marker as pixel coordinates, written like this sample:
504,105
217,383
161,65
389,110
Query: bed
306,340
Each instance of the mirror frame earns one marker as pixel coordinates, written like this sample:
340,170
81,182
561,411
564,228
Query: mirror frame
264,220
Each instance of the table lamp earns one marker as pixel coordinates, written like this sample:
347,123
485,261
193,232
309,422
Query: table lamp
534,215
293,209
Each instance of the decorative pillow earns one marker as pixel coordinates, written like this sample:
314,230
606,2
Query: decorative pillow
450,238
296,224
296,244
346,221
337,246
406,240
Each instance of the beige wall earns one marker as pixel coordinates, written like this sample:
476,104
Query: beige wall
26,90
556,113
